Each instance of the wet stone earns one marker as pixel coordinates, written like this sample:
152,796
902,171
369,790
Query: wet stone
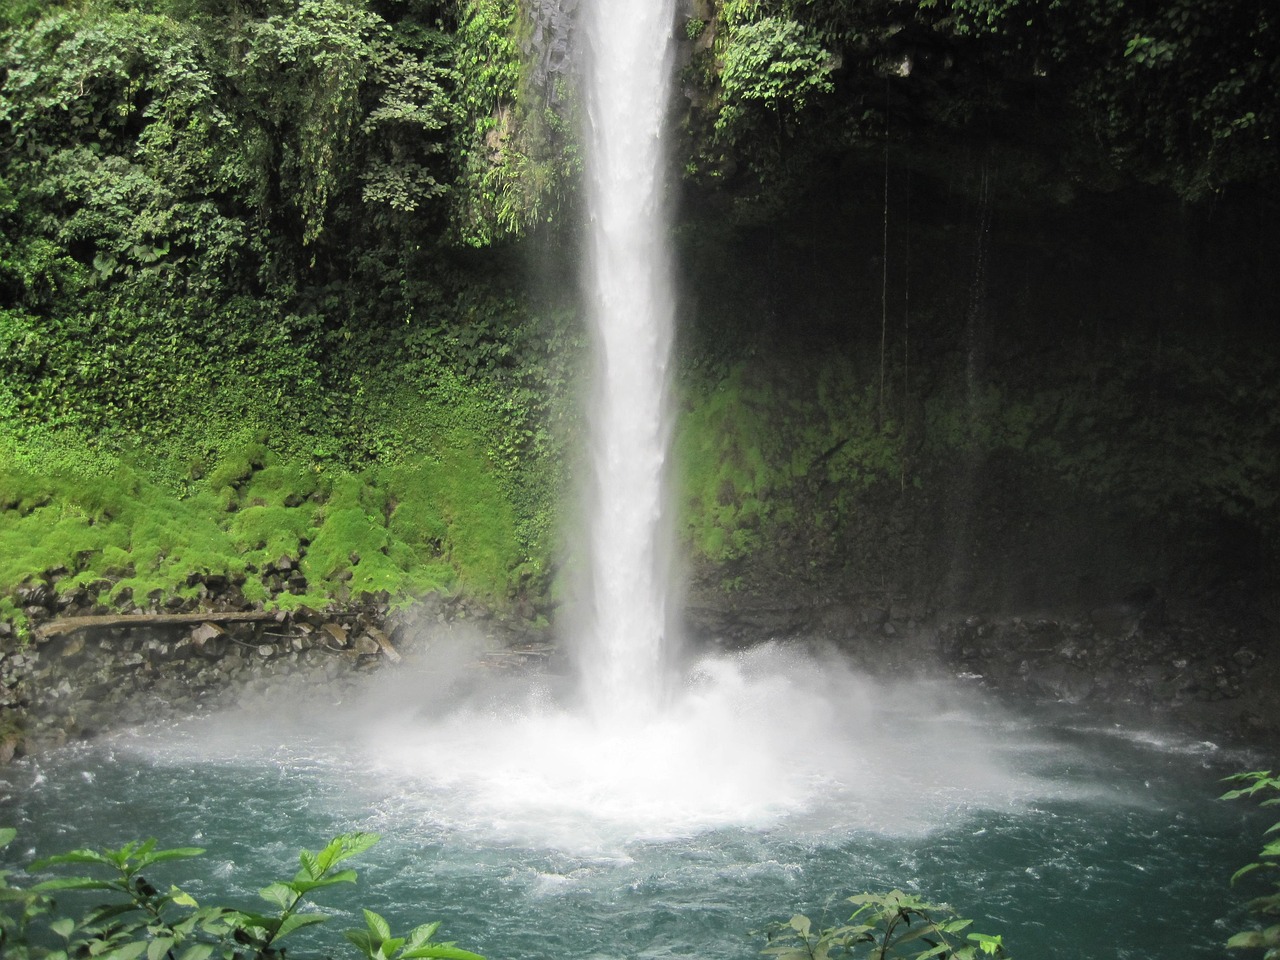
36,594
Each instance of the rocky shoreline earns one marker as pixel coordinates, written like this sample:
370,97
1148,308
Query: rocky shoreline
85,670
1210,672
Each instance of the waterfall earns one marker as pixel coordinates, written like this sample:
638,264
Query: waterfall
627,83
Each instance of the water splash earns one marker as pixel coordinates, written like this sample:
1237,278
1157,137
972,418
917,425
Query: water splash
627,83
778,738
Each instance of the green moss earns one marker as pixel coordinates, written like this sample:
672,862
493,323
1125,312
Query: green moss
455,509
168,540
46,538
348,491
428,523
119,529
255,591
724,479
281,484
348,539
266,533
235,470
762,449
238,465
113,563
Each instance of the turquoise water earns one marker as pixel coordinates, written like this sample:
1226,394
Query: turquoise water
1072,835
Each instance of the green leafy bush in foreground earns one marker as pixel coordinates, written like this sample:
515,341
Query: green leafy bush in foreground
1253,783
138,920
883,925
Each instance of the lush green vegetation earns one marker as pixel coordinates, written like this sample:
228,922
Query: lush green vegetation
884,925
138,919
265,283
757,441
1267,906
1089,95
238,318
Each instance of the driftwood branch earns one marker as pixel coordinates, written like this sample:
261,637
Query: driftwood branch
56,628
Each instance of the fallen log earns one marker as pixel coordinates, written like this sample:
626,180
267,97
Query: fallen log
56,628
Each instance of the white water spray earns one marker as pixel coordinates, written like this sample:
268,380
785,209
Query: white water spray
779,736
627,83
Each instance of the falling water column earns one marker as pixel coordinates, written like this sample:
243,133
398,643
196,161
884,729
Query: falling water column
627,78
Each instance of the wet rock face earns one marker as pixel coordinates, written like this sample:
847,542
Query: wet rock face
1169,664
1216,674
1134,651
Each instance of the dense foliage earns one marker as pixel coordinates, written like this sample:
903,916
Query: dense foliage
1090,95
884,925
138,919
265,285
235,236
1267,906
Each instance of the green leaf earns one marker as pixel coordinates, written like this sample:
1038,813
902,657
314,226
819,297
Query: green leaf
1248,940
159,947
1247,868
162,856
363,941
108,911
915,933
306,886
63,927
182,898
75,883
296,921
133,851
130,951
440,951
250,922
283,895
197,951
74,856
378,927
341,848
800,924
988,944
311,866
1267,905
7,835
420,936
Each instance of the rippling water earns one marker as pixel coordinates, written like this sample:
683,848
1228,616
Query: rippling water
777,781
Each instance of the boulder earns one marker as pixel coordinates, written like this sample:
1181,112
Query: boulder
335,633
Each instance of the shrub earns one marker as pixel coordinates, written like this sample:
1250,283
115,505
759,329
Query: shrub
137,919
1253,783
